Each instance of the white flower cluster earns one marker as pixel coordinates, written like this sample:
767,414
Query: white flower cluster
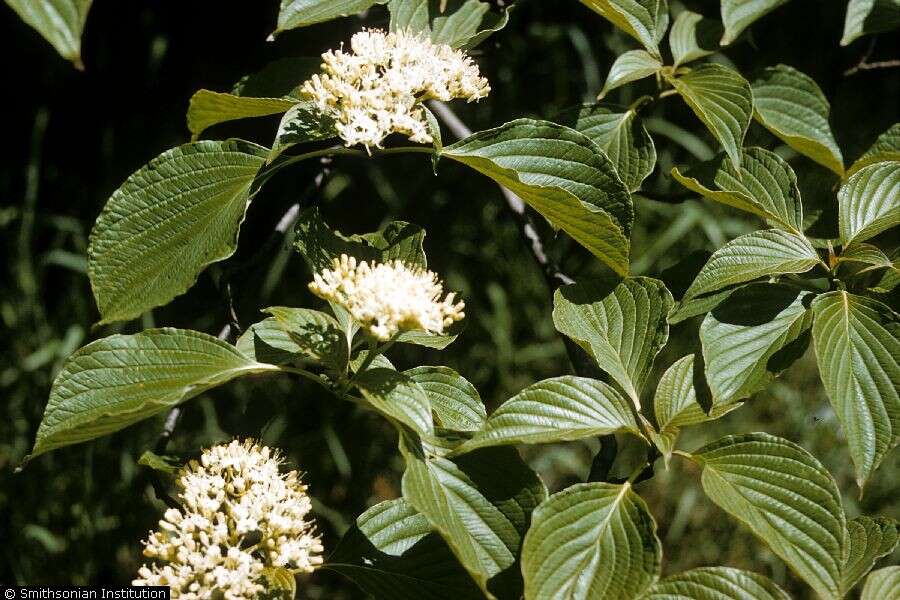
377,89
239,516
388,297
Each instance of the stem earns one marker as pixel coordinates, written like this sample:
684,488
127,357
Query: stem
336,151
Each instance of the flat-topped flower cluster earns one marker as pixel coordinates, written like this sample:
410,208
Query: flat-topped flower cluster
239,515
389,297
377,88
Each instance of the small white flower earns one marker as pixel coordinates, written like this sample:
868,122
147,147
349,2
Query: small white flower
388,297
377,88
239,515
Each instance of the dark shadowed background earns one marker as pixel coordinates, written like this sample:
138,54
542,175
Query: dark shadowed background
77,514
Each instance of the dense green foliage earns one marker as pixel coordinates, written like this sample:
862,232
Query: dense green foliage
727,213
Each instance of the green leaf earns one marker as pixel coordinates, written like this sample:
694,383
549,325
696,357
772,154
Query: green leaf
301,13
865,17
752,337
885,148
792,106
267,342
410,15
393,553
458,23
866,256
561,174
869,202
759,254
121,379
630,66
320,245
693,36
737,15
722,99
676,405
622,326
317,335
481,504
426,339
303,122
765,185
397,396
560,409
59,21
716,583
883,584
454,400
279,584
621,135
644,20
211,108
857,343
591,540
170,219
165,464
786,498
868,539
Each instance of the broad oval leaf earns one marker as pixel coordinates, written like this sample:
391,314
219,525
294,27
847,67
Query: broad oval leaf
693,36
60,22
319,244
869,202
169,220
676,405
630,66
410,15
764,185
885,148
455,401
393,553
722,99
790,105
556,410
591,540
644,20
786,498
758,254
209,108
121,379
716,583
751,337
317,335
267,342
857,343
481,503
397,396
865,17
621,325
561,174
883,584
737,15
458,23
865,257
621,135
303,122
868,539
300,13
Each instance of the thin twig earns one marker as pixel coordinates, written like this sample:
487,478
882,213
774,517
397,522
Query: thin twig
865,65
